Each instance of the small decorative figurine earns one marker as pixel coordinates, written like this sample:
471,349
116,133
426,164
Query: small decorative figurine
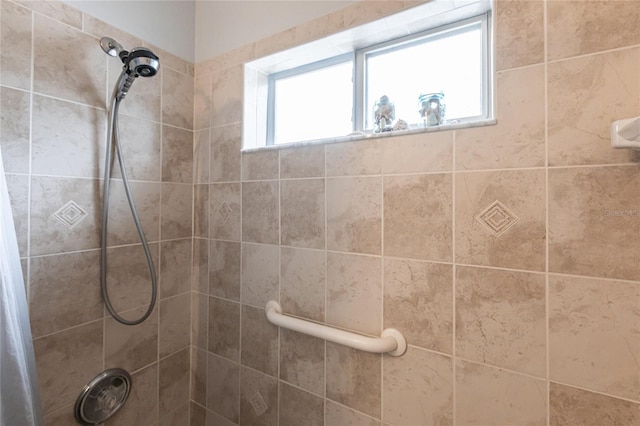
432,108
384,112
400,125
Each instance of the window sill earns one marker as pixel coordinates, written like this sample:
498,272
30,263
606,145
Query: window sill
413,20
362,136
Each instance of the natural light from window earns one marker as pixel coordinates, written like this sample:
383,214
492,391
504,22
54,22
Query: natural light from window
437,76
314,105
451,63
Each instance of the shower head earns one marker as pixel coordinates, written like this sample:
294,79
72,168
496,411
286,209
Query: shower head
140,61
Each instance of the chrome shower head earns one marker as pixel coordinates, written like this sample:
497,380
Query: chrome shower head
142,62
139,62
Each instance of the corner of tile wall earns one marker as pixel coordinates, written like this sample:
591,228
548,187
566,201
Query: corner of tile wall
466,240
52,140
480,236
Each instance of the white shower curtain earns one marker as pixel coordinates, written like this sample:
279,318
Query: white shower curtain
19,396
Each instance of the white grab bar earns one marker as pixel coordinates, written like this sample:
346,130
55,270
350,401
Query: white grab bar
391,341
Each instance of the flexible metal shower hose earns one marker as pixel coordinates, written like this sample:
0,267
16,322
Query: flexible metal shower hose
113,138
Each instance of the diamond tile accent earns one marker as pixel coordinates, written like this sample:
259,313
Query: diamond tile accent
497,218
70,215
224,210
258,404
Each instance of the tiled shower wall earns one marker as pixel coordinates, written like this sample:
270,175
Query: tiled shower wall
55,82
507,255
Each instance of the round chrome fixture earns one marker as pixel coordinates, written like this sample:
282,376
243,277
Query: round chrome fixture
110,46
103,396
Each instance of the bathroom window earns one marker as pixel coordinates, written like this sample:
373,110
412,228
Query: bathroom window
438,75
311,102
450,61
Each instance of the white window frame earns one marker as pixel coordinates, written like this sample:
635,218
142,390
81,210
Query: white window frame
360,80
262,73
359,57
273,78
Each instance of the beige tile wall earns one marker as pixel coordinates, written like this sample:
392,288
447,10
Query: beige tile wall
54,84
493,249
533,320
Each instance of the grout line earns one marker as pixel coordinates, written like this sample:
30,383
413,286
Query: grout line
560,167
109,247
206,354
453,282
172,126
378,175
279,265
161,191
105,313
207,297
113,179
375,256
242,246
218,126
107,83
279,329
382,288
17,89
588,277
251,181
232,361
192,347
43,14
621,398
157,395
71,101
297,179
158,303
326,281
432,351
522,67
546,177
495,367
298,387
584,55
279,384
23,174
545,60
592,166
470,265
162,358
162,187
208,206
138,370
102,317
362,413
30,165
551,273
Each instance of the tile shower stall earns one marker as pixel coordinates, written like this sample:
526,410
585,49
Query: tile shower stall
493,249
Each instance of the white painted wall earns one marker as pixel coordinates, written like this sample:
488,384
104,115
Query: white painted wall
168,24
225,25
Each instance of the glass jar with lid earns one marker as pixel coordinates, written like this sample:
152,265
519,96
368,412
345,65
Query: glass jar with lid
432,108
